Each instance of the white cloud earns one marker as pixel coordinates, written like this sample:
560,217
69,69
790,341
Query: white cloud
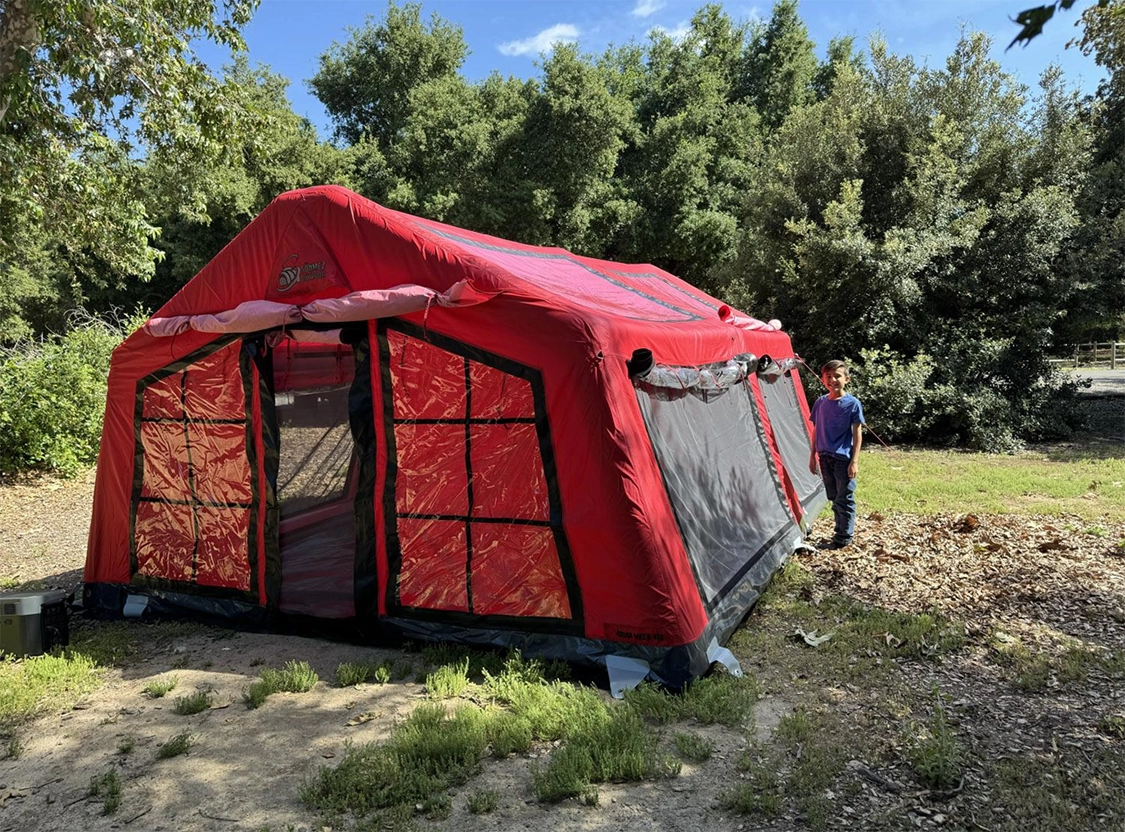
543,42
644,8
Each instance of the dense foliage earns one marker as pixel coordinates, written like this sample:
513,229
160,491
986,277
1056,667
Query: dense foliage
52,396
944,228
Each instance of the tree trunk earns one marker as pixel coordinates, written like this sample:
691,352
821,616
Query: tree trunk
19,38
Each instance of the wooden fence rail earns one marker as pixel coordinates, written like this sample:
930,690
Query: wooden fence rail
1101,354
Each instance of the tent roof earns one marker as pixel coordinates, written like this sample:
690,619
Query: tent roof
328,242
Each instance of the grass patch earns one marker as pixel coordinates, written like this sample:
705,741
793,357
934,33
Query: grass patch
159,688
428,753
435,749
808,754
176,746
1066,790
720,698
108,788
951,482
1032,671
694,747
759,794
483,801
30,686
192,703
449,680
602,744
896,635
296,677
126,746
349,674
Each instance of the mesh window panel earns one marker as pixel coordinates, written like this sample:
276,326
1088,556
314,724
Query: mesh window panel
788,425
720,480
471,500
316,479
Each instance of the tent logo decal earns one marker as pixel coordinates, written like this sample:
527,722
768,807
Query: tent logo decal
290,276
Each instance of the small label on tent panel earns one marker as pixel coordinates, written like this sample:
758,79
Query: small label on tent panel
625,632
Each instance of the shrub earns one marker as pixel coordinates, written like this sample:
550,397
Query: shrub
192,703
176,746
52,398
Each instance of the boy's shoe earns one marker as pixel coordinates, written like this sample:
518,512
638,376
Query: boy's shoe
828,544
840,544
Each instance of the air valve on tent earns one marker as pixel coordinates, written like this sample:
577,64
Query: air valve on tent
641,364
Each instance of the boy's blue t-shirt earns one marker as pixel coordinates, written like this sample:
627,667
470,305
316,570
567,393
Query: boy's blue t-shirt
834,419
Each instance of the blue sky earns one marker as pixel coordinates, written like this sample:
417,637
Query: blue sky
509,35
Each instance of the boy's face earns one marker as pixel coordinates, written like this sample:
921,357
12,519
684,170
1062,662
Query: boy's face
835,380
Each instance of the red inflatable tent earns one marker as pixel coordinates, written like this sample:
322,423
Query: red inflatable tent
356,414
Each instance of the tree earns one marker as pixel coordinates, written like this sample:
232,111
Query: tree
282,153
912,222
1097,260
689,161
780,65
85,87
366,83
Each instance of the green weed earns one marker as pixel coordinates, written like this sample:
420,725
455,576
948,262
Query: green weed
358,673
475,661
694,747
602,744
126,746
176,746
654,703
760,794
1112,725
193,703
509,733
449,680
158,688
108,788
483,801
296,677
933,750
722,699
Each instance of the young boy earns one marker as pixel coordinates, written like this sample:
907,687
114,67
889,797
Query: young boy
837,437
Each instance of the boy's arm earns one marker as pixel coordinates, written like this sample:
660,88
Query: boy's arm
813,466
857,443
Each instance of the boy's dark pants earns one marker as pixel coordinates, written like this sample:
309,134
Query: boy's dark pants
840,489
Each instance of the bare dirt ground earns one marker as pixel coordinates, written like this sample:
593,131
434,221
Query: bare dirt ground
1038,580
